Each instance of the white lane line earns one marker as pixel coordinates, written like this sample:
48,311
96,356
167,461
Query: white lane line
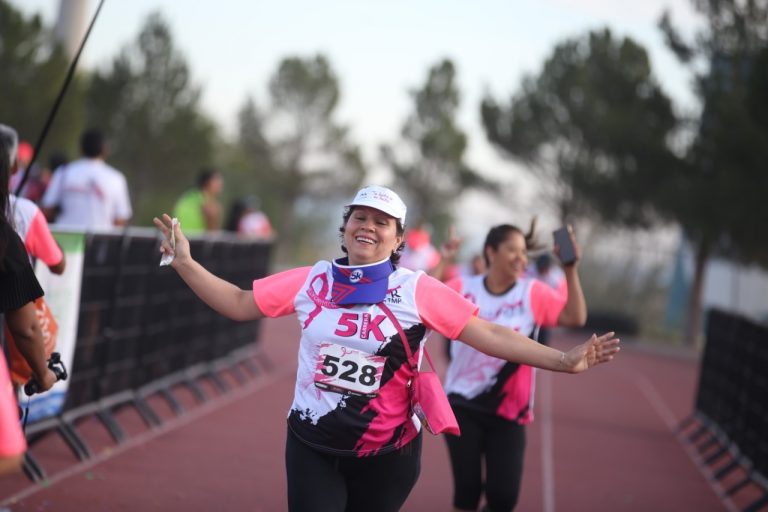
145,437
661,408
547,443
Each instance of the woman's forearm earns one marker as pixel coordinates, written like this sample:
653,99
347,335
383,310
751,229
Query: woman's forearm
223,296
504,343
26,332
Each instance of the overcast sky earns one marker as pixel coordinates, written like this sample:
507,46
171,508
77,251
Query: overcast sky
379,49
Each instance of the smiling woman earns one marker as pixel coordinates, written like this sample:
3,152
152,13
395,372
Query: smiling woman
354,442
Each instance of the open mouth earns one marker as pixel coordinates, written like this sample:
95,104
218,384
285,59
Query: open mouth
365,240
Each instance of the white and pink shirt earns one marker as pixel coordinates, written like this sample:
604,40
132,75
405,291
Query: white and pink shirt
351,396
484,383
30,224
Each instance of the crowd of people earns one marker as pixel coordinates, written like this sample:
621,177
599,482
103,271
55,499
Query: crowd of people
353,441
87,194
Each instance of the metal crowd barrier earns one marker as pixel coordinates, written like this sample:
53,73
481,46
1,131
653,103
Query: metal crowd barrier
142,331
730,420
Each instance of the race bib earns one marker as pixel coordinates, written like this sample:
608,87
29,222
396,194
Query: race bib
345,370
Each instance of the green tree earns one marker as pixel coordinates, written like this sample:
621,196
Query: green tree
149,108
724,182
594,127
33,70
428,162
298,154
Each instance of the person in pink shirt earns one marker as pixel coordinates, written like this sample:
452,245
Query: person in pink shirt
19,291
32,227
493,397
353,441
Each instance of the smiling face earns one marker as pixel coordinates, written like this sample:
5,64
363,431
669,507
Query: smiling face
509,259
370,236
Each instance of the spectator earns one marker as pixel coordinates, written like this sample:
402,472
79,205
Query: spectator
24,153
247,220
199,209
419,253
353,441
544,270
41,177
88,193
32,228
18,282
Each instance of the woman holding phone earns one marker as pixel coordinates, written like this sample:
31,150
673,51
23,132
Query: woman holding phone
492,398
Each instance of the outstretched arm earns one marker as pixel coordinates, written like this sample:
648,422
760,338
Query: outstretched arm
504,343
223,296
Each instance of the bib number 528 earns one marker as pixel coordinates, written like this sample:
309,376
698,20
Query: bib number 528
350,371
344,370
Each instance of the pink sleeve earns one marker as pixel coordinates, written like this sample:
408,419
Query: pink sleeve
275,294
455,284
441,308
12,440
40,242
546,303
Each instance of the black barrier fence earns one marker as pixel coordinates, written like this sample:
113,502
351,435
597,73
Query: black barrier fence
142,330
139,322
731,407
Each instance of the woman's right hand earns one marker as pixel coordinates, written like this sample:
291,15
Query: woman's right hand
596,350
180,250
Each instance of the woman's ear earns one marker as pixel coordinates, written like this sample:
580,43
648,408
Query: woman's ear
398,242
488,253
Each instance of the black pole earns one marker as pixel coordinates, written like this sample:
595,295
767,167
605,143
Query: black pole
57,103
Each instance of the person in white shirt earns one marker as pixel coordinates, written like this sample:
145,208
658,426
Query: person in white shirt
88,193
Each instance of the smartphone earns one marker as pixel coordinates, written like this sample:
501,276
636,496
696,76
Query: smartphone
563,239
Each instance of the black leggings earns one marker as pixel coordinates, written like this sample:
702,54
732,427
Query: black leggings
502,442
320,482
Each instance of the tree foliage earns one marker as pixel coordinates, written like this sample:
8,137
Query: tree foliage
149,108
428,163
594,126
33,71
727,158
724,182
296,152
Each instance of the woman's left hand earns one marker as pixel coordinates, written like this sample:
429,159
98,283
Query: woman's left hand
598,349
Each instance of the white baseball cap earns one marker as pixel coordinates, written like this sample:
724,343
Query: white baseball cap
382,199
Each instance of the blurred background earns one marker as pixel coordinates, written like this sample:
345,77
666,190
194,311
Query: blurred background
645,126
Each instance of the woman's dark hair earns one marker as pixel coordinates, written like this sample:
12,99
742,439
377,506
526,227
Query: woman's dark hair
394,257
239,206
498,234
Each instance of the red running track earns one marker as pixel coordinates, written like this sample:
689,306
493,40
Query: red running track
603,441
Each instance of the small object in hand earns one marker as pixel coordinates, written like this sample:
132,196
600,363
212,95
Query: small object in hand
563,240
167,258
